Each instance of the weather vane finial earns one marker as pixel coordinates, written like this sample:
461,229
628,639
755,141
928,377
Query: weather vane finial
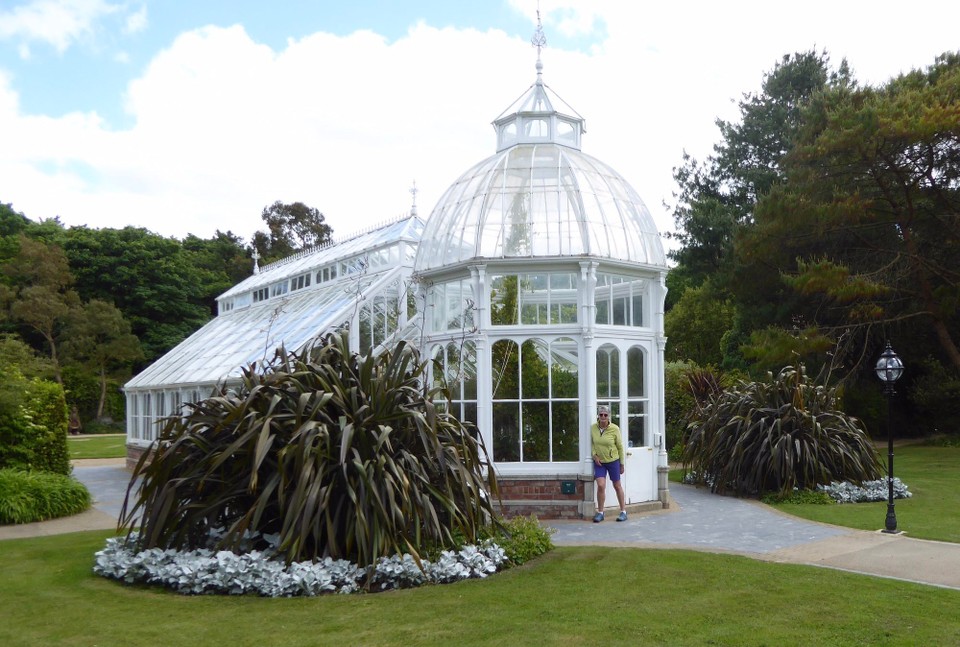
539,41
413,192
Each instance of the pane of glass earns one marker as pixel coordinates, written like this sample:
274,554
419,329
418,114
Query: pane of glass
366,330
437,302
504,300
530,314
635,370
635,435
638,310
506,431
620,311
603,310
608,372
565,442
470,413
437,367
564,368
468,369
536,431
534,369
504,367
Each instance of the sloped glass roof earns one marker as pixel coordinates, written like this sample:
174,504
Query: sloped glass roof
407,229
539,200
252,331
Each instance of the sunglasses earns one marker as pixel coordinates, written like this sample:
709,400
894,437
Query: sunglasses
603,415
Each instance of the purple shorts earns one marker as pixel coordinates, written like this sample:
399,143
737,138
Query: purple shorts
605,470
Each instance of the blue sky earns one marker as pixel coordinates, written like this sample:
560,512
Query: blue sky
188,117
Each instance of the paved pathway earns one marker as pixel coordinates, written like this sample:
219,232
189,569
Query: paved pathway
697,520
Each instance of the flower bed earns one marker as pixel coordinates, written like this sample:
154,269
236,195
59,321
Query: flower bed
869,491
210,571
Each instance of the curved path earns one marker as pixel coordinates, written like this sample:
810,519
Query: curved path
697,520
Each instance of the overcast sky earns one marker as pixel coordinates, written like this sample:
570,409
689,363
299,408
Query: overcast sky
189,117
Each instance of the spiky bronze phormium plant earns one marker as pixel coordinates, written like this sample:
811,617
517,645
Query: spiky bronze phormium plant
773,436
341,455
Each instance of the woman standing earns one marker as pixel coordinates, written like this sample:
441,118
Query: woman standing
608,459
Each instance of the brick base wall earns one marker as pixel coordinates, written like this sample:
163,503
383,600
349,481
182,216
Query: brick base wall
133,455
543,497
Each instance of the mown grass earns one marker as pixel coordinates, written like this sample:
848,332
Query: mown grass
102,446
571,596
931,475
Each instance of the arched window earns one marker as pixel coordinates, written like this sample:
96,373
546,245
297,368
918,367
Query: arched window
535,400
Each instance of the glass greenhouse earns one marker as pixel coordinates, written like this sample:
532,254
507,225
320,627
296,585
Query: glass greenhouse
540,282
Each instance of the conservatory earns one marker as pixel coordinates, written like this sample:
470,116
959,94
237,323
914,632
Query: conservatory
537,284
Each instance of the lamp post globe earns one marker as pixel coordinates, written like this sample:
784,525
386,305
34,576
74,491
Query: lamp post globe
889,369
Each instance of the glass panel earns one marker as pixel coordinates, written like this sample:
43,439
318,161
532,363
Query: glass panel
504,370
504,300
603,309
437,365
564,368
608,372
536,128
620,306
506,431
411,302
536,431
565,441
635,434
635,370
468,370
380,320
437,300
366,330
637,309
534,369
470,413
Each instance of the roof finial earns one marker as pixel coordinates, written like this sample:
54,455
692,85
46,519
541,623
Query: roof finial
256,257
413,192
539,41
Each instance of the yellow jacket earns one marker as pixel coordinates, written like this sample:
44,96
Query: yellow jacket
607,446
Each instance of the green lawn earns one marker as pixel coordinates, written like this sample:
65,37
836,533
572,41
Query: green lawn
571,596
101,446
931,476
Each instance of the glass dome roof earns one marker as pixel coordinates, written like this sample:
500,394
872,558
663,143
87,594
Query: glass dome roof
539,200
539,196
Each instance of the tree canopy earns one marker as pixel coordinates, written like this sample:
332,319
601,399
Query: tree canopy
828,217
290,228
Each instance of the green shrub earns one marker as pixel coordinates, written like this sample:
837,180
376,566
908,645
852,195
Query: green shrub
26,497
936,396
339,455
33,425
46,408
522,539
105,426
678,401
774,436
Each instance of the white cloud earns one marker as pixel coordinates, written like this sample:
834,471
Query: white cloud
58,23
136,21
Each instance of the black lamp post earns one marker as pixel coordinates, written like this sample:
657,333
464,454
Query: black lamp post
889,369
